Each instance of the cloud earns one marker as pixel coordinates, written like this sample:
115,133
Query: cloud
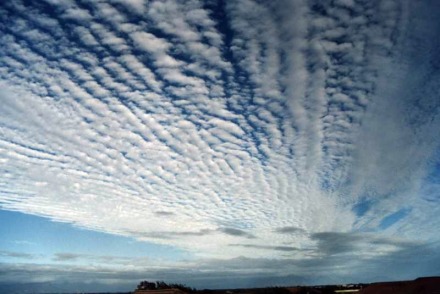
298,124
24,243
289,230
333,243
163,213
70,258
14,254
266,247
170,235
408,261
236,232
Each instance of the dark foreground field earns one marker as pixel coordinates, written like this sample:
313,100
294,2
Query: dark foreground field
421,285
428,285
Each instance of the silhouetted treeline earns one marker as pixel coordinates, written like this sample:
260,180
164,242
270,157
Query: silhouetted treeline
425,285
268,290
161,285
323,289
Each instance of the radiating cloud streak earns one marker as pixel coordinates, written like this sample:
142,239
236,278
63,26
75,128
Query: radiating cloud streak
201,125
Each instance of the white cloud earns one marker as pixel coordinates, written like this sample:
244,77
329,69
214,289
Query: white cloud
274,116
150,43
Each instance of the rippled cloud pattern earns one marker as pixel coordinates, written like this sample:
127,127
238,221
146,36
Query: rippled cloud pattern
292,131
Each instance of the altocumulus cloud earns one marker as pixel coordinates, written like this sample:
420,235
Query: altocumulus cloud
287,136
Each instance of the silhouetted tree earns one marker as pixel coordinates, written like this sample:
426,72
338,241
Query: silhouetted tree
145,285
161,285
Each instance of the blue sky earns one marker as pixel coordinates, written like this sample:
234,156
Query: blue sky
217,143
39,237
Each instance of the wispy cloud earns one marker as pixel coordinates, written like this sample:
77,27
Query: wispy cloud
81,258
236,232
253,271
289,230
67,256
266,247
14,254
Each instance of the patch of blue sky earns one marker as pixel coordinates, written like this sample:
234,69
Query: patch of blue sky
393,218
42,237
362,207
431,184
360,210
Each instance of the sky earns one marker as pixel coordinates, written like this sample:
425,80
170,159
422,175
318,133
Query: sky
218,144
